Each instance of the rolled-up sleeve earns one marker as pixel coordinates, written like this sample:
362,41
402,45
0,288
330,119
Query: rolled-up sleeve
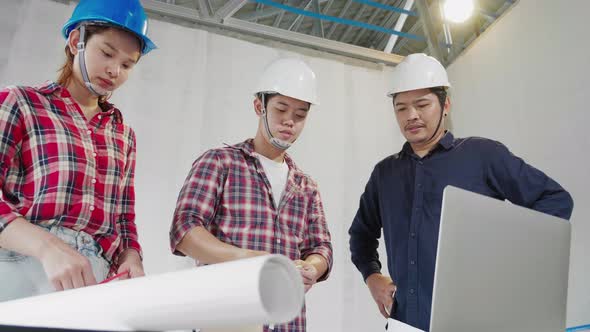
198,198
317,239
11,135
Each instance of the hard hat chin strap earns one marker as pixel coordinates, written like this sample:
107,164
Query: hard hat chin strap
81,46
277,143
442,113
438,126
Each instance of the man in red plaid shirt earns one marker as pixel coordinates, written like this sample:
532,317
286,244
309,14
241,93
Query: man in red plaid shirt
251,199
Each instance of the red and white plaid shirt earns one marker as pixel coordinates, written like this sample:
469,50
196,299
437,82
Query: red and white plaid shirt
57,168
228,193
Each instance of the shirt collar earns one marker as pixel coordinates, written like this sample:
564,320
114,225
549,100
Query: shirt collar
47,88
247,147
52,88
447,142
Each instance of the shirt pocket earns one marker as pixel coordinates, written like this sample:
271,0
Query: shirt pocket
244,214
112,157
294,216
53,145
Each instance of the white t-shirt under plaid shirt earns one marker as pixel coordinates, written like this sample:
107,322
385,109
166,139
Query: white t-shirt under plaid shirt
277,174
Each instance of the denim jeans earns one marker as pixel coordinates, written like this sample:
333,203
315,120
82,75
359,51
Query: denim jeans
23,276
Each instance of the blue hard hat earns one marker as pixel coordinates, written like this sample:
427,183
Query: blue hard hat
126,14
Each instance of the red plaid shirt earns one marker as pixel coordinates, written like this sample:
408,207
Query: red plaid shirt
229,194
56,168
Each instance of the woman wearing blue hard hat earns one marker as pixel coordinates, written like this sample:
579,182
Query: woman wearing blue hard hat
67,161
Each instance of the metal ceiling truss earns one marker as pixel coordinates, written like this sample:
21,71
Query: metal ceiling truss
222,19
358,36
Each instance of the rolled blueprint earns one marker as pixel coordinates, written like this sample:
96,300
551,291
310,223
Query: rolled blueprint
397,326
265,289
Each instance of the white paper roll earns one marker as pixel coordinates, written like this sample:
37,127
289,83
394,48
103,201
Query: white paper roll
397,326
265,289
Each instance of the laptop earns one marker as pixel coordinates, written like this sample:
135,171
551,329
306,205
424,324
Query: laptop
499,267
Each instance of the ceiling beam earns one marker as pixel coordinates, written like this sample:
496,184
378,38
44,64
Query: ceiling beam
387,21
296,24
341,14
361,32
229,8
318,25
232,25
204,8
429,29
402,43
358,14
267,12
399,25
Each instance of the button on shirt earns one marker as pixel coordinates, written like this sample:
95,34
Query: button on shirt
404,196
58,168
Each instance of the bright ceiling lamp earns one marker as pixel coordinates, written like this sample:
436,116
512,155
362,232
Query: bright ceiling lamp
458,11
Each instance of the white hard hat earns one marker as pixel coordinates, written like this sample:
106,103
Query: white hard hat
418,71
289,77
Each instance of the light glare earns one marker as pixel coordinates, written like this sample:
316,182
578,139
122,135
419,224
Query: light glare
458,11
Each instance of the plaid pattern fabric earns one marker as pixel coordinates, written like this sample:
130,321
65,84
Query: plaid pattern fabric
228,193
56,168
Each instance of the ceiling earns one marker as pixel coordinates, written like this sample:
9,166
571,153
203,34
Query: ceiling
381,31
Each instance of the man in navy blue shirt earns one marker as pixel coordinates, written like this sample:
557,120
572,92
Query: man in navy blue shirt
404,194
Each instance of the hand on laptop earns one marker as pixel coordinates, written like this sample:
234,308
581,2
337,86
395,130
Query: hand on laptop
382,290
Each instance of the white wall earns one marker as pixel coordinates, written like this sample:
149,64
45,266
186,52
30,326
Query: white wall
194,93
525,83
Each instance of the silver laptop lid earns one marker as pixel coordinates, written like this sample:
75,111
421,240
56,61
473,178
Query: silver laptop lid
499,267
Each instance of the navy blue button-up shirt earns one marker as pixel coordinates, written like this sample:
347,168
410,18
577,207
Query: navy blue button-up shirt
404,196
